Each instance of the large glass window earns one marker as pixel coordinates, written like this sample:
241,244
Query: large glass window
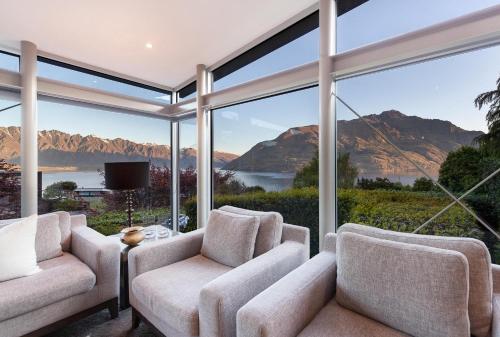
10,156
68,75
187,174
376,20
9,61
74,143
265,157
410,126
302,50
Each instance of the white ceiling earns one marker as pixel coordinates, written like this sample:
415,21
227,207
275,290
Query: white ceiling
112,34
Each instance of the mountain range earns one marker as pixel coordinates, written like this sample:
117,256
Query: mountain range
61,150
425,141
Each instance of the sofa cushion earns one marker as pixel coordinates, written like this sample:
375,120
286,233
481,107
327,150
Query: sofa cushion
270,228
336,321
59,278
17,249
230,238
53,234
419,290
48,237
173,291
480,275
65,227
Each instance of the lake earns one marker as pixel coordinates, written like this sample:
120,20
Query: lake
91,179
268,180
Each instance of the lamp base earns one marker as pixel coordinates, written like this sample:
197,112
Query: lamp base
129,207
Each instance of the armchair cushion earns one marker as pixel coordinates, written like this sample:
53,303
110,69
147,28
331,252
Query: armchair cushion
48,237
173,291
270,228
480,269
48,242
336,321
230,238
58,279
419,290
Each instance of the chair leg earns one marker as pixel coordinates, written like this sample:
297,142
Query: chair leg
113,308
136,319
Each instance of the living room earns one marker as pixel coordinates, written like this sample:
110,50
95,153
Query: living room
185,169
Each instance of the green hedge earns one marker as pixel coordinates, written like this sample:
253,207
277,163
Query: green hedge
405,211
395,210
113,222
298,207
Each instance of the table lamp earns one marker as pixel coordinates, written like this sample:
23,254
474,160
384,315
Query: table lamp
126,176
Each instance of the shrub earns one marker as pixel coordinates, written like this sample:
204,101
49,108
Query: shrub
113,222
59,190
461,169
423,184
405,211
394,210
298,206
68,205
379,184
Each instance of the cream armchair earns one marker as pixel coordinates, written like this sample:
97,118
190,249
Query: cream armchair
369,282
181,288
79,275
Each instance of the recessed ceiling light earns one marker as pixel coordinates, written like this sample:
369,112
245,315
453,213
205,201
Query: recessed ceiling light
149,45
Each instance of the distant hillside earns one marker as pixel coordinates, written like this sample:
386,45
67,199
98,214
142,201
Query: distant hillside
426,141
288,152
59,149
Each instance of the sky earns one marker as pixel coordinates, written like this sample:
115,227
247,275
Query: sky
443,88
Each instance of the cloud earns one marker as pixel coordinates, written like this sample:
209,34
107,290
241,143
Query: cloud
163,97
267,125
230,115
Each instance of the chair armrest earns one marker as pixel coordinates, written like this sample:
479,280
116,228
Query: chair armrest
289,305
221,298
330,243
163,252
78,220
102,255
298,234
495,270
495,326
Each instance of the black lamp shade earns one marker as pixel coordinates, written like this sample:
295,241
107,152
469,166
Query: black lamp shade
126,175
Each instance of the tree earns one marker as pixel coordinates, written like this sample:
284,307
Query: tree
423,184
309,174
10,191
379,184
59,190
347,173
461,169
490,141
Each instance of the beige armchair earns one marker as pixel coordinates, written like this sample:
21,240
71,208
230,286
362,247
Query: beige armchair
180,289
369,282
80,273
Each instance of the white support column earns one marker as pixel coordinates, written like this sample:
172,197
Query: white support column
175,160
327,122
204,174
29,125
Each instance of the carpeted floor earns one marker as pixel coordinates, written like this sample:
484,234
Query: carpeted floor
101,325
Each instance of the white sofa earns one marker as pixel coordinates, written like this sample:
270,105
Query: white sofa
77,277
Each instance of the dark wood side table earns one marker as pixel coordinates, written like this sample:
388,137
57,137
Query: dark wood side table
125,249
